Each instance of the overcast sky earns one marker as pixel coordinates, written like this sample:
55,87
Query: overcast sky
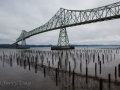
18,15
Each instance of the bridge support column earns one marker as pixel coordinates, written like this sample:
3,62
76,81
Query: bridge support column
23,44
63,41
16,45
63,38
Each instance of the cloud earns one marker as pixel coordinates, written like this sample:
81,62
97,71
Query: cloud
18,15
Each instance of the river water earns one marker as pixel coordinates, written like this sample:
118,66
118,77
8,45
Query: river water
43,69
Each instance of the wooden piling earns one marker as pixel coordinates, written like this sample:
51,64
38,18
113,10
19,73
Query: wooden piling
103,58
29,66
101,84
10,61
119,70
56,77
115,73
36,68
73,79
44,72
24,64
109,80
69,68
49,65
86,75
100,67
95,69
28,59
98,57
93,57
80,67
86,63
58,67
17,61
47,60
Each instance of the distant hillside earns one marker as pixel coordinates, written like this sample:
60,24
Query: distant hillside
6,45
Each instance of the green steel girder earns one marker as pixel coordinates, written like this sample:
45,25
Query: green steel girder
67,18
63,38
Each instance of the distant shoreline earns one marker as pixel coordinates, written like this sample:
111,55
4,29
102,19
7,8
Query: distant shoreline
92,45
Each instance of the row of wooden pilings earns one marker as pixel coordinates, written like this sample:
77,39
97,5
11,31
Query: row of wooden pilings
57,71
73,74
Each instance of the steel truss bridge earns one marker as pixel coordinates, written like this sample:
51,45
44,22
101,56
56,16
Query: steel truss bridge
67,18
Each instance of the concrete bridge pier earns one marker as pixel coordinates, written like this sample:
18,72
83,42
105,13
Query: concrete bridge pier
16,45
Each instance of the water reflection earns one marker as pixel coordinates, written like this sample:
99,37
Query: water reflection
62,67
69,80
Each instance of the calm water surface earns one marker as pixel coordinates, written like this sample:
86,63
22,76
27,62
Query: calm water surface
35,69
18,78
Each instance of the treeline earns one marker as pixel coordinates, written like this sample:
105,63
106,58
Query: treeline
39,45
4,45
7,45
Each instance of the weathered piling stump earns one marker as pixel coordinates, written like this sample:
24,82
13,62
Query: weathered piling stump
119,70
109,80
69,68
98,57
115,73
36,68
47,60
103,58
86,75
58,67
95,69
100,67
44,72
80,66
93,57
29,66
101,84
28,59
86,63
56,76
73,79
24,64
49,65
17,61
10,62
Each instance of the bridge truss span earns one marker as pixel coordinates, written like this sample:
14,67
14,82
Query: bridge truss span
68,18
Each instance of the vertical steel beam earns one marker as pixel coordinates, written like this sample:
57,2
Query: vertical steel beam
63,38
